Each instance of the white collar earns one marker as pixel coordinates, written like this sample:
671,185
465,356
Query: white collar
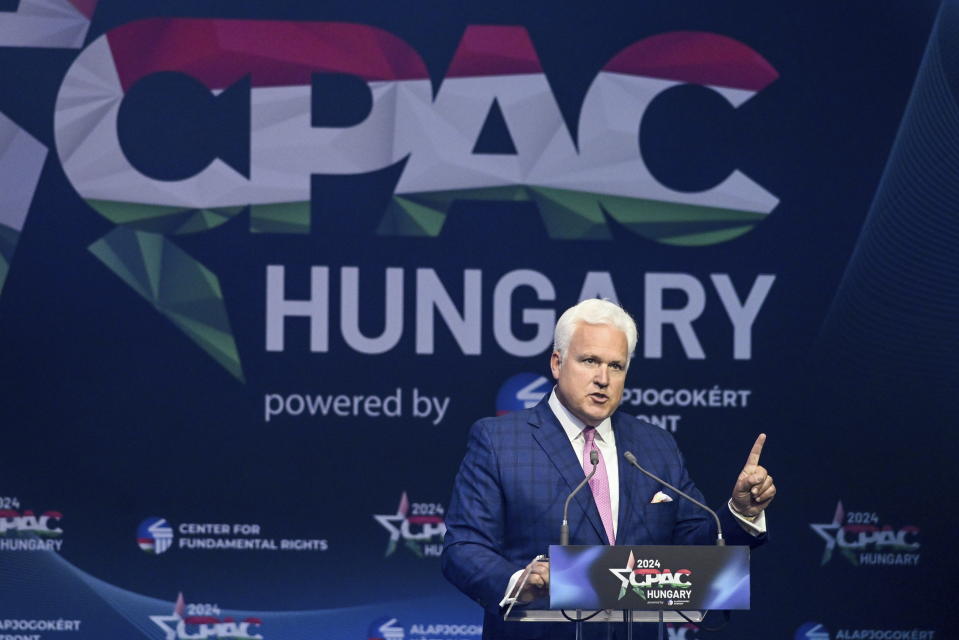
572,425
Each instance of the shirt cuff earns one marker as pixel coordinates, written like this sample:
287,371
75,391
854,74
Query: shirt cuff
509,587
754,527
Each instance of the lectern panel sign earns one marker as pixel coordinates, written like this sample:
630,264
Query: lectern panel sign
649,577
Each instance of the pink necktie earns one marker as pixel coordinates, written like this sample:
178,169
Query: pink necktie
599,484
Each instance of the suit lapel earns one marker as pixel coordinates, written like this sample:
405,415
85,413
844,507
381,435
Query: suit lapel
549,434
633,487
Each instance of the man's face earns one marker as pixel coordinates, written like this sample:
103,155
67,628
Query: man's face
589,382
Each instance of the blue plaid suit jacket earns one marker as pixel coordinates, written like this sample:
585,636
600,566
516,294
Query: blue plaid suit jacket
507,503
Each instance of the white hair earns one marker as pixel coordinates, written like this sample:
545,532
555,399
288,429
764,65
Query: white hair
594,311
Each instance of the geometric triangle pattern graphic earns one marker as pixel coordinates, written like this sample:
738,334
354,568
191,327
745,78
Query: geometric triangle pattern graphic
8,244
179,287
163,219
494,137
61,24
21,162
491,131
577,215
494,131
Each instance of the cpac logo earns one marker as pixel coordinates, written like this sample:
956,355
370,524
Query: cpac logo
263,73
27,522
183,626
419,524
863,541
644,578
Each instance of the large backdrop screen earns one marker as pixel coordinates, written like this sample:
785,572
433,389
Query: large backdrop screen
262,264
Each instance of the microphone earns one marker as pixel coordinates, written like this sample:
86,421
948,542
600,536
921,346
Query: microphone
719,528
564,529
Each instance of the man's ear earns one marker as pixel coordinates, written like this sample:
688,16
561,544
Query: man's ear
554,364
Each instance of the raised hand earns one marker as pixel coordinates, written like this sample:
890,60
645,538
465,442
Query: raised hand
754,488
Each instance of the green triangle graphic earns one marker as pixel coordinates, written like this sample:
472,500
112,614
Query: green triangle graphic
177,286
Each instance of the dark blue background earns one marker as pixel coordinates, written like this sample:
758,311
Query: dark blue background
110,415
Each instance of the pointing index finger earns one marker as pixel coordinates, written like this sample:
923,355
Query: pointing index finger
753,458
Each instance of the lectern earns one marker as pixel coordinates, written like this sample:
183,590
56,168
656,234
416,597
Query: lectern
602,583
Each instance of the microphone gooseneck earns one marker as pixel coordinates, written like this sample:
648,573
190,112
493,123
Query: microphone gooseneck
719,527
564,528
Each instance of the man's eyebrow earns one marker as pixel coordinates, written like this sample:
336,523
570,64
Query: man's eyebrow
594,356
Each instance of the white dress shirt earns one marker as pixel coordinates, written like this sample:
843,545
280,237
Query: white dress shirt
605,441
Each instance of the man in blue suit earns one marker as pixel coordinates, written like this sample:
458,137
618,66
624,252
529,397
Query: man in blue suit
519,468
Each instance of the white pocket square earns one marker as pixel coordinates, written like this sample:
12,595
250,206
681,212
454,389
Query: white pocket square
660,497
